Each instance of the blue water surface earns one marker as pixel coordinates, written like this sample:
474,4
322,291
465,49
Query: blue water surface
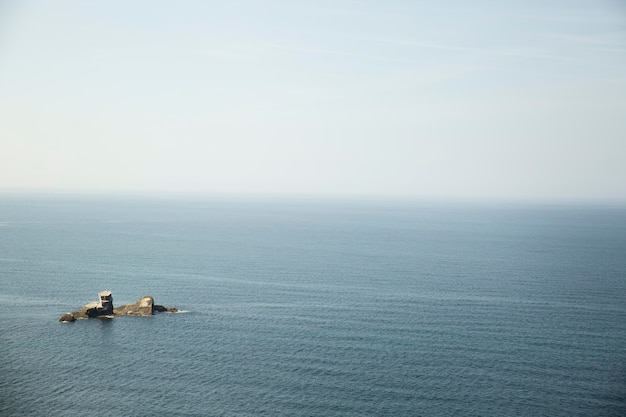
313,308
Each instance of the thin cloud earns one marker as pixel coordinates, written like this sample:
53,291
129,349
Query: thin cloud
581,17
615,41
333,52
509,52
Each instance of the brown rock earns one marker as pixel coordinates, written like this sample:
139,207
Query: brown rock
69,317
162,309
142,307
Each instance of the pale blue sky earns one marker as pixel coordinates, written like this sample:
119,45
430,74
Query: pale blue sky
351,98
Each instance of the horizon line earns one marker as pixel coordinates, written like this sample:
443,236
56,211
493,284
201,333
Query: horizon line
168,194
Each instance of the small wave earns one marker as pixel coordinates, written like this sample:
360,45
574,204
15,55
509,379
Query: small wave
182,311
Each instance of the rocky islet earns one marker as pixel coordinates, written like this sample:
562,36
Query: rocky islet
103,308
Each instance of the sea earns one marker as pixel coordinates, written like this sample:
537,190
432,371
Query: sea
313,307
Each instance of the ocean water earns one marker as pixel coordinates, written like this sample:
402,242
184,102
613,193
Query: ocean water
313,308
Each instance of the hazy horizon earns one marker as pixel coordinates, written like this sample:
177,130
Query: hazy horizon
302,198
394,100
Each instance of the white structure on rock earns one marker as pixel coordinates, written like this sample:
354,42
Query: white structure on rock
106,302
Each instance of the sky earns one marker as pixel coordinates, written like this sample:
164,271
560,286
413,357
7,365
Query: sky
394,98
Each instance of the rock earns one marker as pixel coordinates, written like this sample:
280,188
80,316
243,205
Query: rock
80,314
162,309
142,307
91,310
104,308
67,318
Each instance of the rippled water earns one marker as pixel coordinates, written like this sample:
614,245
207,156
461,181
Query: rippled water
308,308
